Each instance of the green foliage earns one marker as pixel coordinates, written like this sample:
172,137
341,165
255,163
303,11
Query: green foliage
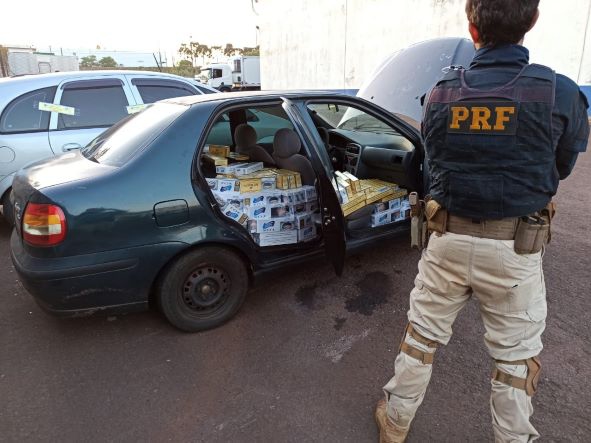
88,62
193,50
230,50
107,62
184,68
251,51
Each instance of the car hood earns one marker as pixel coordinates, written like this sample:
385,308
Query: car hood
405,76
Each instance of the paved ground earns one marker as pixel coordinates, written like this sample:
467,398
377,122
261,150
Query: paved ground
303,361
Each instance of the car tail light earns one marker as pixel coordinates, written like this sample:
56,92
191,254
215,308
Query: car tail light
43,225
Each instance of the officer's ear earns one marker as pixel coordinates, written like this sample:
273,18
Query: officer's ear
474,33
534,20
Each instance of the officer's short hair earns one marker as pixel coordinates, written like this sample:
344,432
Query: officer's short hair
501,21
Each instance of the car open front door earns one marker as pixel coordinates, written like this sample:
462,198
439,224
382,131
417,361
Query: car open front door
333,223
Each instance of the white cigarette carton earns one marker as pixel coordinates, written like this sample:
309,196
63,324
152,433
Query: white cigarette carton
229,169
276,238
255,199
303,220
381,218
307,234
310,193
248,168
260,226
235,214
282,211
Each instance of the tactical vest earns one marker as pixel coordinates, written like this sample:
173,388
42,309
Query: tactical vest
490,152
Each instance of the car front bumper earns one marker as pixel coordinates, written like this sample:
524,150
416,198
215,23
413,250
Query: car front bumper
119,280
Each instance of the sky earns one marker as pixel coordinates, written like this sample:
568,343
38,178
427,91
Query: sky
127,25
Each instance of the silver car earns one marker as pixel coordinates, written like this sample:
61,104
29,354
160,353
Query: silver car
49,114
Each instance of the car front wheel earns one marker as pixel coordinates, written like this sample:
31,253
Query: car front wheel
203,289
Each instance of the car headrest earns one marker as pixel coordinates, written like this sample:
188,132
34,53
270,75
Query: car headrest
286,143
245,135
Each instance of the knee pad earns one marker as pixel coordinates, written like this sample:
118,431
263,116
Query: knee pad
528,384
424,357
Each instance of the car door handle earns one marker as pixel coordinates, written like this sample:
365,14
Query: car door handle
71,147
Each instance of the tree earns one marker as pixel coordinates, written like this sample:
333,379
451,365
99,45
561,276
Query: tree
107,62
184,68
230,50
192,50
251,51
89,61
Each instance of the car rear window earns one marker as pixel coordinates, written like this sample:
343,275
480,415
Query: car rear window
118,144
23,113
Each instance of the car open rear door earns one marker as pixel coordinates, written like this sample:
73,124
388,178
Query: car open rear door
333,223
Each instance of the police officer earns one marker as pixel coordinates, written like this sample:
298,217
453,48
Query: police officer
498,138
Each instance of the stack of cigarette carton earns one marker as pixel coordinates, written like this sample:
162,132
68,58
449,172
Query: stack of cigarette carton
355,193
391,211
220,155
271,204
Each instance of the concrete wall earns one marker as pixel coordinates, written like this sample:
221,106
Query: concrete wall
338,43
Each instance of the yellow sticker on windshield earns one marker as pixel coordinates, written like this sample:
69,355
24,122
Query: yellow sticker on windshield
135,108
50,107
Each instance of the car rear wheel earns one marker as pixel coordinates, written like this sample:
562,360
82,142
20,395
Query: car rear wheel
7,208
203,289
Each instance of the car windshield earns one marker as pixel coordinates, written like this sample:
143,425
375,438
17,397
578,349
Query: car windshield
356,120
117,145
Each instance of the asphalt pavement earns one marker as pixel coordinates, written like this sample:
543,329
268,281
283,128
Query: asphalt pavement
303,361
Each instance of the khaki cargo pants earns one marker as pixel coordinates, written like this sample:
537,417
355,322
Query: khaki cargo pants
512,295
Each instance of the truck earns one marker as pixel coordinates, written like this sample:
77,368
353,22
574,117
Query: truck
240,73
23,61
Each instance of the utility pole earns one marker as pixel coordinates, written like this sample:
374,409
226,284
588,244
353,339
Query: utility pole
584,42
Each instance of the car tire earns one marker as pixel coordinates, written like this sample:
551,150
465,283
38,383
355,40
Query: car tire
7,210
225,89
203,288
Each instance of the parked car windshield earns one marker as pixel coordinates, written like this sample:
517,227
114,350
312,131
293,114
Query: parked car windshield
117,145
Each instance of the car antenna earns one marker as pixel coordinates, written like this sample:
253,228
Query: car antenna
157,64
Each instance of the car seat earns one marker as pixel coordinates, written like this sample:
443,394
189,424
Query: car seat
286,148
246,143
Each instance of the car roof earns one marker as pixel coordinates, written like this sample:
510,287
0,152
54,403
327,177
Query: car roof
229,96
14,86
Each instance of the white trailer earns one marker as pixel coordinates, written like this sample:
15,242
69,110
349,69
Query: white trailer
246,72
241,73
17,62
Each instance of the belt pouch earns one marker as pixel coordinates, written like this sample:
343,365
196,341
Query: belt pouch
436,217
531,235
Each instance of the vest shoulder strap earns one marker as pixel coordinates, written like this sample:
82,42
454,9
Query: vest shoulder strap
539,71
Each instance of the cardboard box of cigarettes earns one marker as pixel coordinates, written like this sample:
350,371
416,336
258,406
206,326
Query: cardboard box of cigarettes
354,204
235,214
307,234
219,150
249,185
381,218
238,157
215,159
388,205
276,238
229,169
287,179
266,225
303,220
281,211
224,185
248,168
310,193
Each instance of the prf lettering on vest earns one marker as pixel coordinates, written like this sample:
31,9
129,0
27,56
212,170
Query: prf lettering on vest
495,118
